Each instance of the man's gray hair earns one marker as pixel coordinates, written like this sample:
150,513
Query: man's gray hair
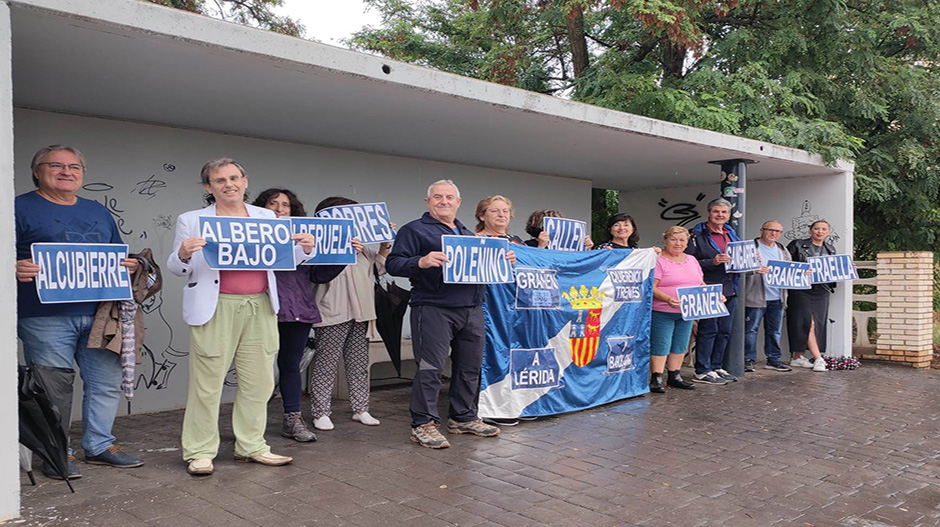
764,225
718,202
444,182
216,164
46,150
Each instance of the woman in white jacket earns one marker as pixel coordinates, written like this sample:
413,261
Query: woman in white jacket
347,305
232,319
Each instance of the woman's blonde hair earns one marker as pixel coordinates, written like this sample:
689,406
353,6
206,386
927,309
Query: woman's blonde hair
676,229
485,204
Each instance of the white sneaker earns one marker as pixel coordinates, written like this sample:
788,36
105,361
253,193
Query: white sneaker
820,364
323,423
366,419
801,362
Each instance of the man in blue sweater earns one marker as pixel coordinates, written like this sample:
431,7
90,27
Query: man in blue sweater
444,317
56,335
708,244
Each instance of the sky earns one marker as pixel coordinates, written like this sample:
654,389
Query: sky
329,20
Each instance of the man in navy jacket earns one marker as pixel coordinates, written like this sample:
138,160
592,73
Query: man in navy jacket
444,317
708,244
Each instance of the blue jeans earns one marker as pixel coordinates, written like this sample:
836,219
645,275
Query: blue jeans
58,341
773,322
712,340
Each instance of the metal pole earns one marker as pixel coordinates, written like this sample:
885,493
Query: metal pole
733,185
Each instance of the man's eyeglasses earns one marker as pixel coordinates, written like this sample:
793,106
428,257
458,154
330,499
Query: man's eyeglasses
59,167
771,230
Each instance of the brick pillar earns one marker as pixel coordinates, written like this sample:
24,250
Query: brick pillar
905,308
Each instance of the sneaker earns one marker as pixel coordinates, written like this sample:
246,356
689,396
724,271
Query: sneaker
726,376
820,365
800,362
50,472
200,467
476,427
113,456
709,378
366,419
428,436
323,423
268,458
295,428
499,421
777,366
749,366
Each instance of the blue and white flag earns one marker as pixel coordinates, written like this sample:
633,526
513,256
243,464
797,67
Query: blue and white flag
332,240
476,260
586,350
373,224
564,234
81,272
743,256
832,268
787,275
239,244
701,301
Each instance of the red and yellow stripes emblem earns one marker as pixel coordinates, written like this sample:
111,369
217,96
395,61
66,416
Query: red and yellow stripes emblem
583,350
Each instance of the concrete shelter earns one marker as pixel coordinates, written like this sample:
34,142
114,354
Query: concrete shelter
150,93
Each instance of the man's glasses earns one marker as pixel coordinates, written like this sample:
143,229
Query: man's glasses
59,167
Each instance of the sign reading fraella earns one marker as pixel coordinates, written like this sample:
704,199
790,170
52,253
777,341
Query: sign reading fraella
257,244
787,275
832,268
743,257
476,260
81,272
564,234
701,301
371,219
332,240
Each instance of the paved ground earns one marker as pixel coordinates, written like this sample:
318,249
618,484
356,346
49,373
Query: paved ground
808,449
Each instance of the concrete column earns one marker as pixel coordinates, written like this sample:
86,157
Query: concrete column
733,188
9,462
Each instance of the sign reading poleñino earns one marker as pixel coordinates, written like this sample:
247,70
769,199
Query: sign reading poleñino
81,272
476,260
258,244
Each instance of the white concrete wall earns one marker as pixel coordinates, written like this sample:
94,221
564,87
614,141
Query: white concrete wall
148,174
793,202
9,475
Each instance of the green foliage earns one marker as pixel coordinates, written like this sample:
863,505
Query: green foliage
255,13
604,204
847,79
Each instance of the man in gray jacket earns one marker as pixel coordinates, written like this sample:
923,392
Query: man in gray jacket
762,302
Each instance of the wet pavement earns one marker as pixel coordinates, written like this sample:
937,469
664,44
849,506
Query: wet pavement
858,448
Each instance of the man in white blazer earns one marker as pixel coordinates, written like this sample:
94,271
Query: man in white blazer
232,315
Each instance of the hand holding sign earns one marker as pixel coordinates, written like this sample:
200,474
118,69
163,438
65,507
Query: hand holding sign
432,259
190,246
26,270
305,240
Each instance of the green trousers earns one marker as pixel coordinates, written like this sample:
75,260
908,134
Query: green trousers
243,330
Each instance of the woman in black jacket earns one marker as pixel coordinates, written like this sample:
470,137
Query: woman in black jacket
808,309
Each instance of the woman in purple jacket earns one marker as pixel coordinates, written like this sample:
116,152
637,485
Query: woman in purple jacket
297,315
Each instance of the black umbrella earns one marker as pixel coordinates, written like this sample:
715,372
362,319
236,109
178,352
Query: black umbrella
391,302
40,424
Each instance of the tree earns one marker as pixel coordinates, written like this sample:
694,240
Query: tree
255,13
848,79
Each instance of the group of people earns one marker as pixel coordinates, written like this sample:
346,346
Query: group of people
698,257
252,318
